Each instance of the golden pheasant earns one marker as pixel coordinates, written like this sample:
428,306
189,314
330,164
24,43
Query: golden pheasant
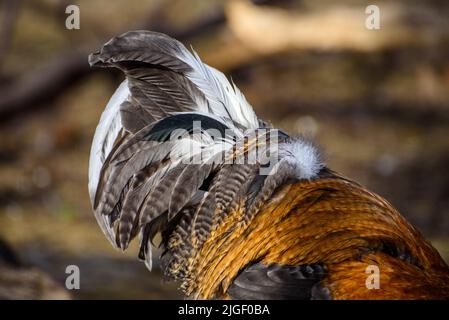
240,210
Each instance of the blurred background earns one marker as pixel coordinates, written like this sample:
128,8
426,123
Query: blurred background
376,101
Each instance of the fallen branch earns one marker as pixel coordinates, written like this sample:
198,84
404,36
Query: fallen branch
42,84
51,78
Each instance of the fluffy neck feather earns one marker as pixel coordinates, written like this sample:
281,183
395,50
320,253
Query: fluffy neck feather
305,158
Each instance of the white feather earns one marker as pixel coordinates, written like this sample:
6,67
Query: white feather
105,135
225,103
225,100
304,157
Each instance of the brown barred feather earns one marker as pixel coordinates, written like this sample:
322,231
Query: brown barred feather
233,226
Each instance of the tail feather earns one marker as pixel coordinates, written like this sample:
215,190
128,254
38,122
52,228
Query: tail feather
160,69
150,165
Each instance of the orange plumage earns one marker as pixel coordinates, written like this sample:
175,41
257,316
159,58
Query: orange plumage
234,226
331,221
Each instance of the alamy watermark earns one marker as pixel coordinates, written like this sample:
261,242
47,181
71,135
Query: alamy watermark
197,145
73,19
372,21
72,282
373,280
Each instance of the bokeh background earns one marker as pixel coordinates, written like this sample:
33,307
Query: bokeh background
376,101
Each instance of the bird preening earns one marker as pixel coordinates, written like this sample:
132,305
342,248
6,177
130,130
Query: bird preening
239,210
